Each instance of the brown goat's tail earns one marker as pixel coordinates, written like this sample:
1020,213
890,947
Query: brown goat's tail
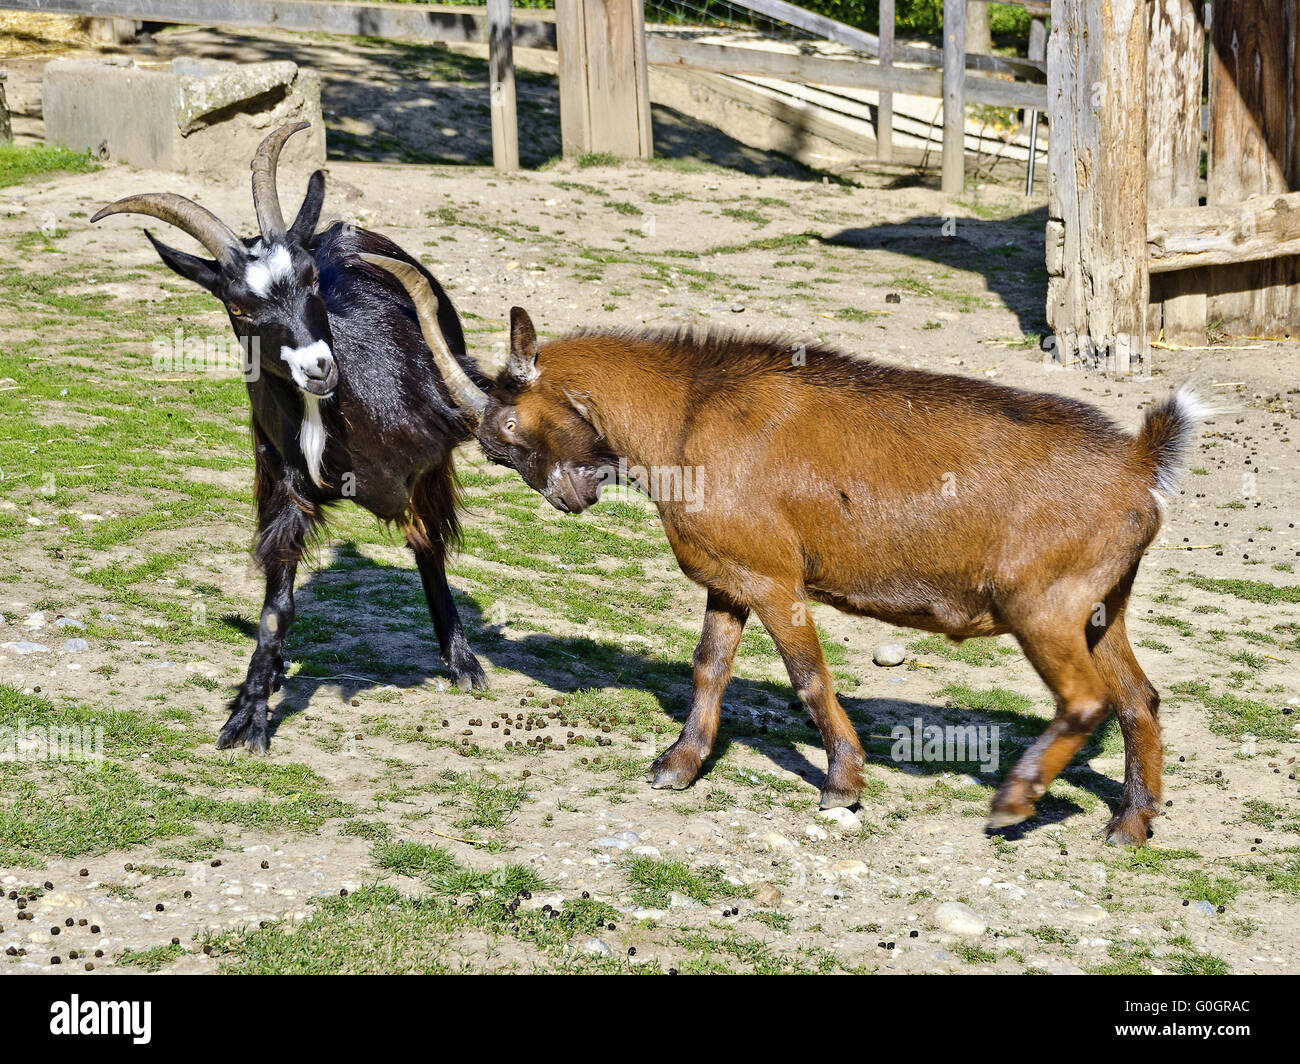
1166,436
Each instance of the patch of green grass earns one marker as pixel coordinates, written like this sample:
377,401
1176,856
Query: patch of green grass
149,785
597,158
977,651
152,959
1194,963
1054,935
20,162
653,880
973,954
994,700
377,930
1125,960
1150,859
856,314
1250,590
438,870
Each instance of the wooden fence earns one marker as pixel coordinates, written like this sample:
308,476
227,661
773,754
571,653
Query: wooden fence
604,50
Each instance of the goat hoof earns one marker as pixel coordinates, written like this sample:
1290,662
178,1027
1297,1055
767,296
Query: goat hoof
837,799
470,676
1128,830
1001,819
259,744
670,780
673,771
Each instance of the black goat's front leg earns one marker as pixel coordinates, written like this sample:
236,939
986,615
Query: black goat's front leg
249,711
465,670
285,518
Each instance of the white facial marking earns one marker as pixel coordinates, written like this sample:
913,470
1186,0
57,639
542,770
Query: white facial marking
303,361
267,267
311,437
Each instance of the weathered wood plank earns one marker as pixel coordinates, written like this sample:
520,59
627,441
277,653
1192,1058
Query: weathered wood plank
869,43
954,96
571,60
604,87
501,98
1097,304
1175,58
1257,229
411,22
1254,108
818,70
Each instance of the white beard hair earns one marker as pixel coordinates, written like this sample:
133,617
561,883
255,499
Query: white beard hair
311,437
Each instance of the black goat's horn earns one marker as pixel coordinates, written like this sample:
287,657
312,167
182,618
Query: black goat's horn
266,198
186,215
468,396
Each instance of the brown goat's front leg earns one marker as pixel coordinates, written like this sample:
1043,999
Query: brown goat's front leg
724,622
788,621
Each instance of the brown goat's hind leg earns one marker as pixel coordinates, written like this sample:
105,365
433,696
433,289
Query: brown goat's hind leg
724,622
1061,657
788,622
1136,704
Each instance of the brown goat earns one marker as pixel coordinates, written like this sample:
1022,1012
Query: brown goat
933,501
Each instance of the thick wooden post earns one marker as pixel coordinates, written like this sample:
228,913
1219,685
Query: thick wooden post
501,72
1098,285
1175,59
604,81
885,104
1254,150
954,96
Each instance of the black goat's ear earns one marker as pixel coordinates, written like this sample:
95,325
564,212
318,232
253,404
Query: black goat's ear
203,272
304,226
523,346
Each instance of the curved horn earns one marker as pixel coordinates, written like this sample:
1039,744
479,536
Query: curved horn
468,396
266,199
186,215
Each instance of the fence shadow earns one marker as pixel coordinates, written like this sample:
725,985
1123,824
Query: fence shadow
1009,253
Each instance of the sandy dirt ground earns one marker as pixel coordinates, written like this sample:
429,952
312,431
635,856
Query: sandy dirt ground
127,603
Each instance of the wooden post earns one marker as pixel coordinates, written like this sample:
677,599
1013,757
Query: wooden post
501,72
112,30
603,78
1037,50
1254,150
885,104
1098,285
6,130
1175,61
954,96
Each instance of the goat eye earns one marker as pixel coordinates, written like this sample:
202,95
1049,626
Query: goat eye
235,310
509,425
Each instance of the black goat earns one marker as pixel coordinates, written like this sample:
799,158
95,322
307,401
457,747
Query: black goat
348,402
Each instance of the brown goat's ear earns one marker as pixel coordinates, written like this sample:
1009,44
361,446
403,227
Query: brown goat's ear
523,346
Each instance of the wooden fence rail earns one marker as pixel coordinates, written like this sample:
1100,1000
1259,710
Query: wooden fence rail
426,23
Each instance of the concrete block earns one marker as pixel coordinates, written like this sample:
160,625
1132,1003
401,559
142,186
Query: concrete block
193,116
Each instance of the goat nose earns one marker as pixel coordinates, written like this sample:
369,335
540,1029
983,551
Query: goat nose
320,369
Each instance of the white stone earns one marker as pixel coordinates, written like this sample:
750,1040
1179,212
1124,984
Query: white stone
957,918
